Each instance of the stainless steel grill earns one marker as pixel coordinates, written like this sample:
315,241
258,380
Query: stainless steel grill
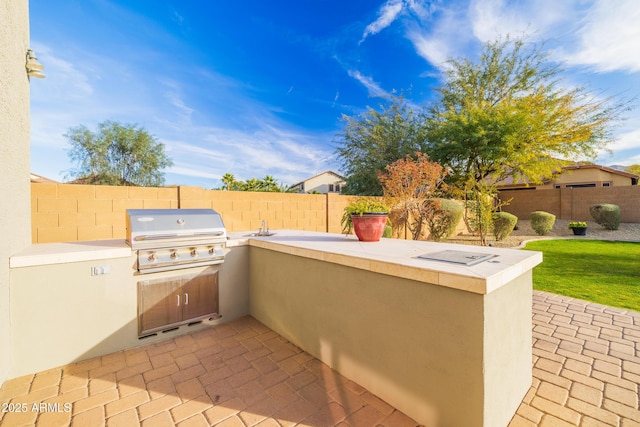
171,239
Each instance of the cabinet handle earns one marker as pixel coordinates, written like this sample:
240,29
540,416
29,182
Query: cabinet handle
186,299
178,299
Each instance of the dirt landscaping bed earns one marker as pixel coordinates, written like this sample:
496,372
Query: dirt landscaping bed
629,232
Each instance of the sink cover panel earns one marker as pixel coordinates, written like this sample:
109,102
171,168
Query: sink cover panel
458,257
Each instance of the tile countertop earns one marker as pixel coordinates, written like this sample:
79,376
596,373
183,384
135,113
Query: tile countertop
60,253
399,258
389,256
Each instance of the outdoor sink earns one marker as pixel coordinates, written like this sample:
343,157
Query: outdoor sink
267,234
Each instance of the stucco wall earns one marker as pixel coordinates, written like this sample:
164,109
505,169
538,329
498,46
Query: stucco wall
590,175
15,216
62,314
321,183
443,356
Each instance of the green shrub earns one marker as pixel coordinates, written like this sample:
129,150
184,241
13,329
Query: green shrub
542,222
607,215
388,231
503,224
443,218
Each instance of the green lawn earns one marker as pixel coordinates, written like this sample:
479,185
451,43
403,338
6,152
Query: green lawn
594,270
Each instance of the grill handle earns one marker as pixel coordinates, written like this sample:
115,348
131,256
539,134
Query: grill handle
173,236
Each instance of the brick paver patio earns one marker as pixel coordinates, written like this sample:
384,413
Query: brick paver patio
586,365
586,370
237,374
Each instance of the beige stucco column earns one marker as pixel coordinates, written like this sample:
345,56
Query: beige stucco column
15,199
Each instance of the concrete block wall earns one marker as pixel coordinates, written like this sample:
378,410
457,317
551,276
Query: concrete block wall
574,203
67,212
244,210
70,212
521,203
627,197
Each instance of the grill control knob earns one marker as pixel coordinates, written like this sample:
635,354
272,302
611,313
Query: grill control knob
194,252
212,251
175,255
152,257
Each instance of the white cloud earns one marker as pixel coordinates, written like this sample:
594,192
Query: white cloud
435,50
491,19
609,37
441,38
174,97
374,88
63,77
386,15
269,149
627,141
187,170
178,17
203,147
420,8
596,33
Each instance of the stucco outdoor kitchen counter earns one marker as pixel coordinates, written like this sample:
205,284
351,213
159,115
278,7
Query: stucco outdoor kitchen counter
60,253
388,256
400,258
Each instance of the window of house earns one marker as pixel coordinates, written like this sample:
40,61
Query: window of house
606,184
337,188
586,185
558,186
331,187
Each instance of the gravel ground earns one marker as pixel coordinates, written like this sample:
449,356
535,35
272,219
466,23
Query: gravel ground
629,232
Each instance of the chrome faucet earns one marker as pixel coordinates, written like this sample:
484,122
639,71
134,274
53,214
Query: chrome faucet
264,230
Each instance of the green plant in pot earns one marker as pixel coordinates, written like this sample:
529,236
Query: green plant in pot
366,216
579,228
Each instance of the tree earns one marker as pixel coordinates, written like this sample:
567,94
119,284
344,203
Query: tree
117,154
229,181
408,184
269,184
266,184
374,139
253,184
508,115
634,169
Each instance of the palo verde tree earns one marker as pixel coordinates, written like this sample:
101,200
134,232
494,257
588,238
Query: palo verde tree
374,139
508,115
117,154
408,185
634,169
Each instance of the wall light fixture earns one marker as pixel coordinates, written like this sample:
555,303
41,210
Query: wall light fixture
34,68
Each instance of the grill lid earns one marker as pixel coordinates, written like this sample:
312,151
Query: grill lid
158,228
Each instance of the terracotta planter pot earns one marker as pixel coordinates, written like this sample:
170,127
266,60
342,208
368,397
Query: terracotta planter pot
369,227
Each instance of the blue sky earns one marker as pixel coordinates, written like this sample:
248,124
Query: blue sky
255,87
